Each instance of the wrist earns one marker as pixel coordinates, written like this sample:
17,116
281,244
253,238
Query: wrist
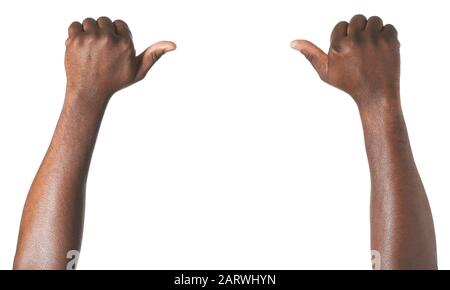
87,101
381,112
378,102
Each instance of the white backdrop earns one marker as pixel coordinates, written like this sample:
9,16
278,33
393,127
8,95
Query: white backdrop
231,154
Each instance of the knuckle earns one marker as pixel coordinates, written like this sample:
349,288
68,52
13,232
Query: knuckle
119,22
89,38
336,46
390,33
104,18
341,24
340,27
341,44
124,41
104,38
74,23
74,41
359,17
87,20
390,28
374,19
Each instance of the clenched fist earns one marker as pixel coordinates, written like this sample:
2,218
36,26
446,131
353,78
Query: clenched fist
363,59
100,58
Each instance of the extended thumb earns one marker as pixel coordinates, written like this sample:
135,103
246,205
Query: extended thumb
148,58
315,55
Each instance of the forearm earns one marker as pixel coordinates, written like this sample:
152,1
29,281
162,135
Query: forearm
100,60
402,228
52,221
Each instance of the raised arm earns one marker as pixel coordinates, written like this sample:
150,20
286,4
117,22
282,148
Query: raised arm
364,61
100,60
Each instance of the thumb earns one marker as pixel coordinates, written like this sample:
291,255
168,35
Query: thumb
315,55
148,58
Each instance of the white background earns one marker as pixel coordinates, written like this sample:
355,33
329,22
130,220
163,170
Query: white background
231,154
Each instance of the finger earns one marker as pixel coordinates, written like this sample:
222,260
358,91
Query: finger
390,33
105,24
75,28
339,33
122,29
151,55
89,25
374,24
315,55
357,25
390,30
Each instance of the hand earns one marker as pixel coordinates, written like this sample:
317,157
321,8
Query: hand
363,60
100,58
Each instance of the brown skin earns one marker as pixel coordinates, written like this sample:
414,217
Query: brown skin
100,60
364,61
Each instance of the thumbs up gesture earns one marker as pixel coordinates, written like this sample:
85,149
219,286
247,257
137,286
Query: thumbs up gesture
363,59
100,58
